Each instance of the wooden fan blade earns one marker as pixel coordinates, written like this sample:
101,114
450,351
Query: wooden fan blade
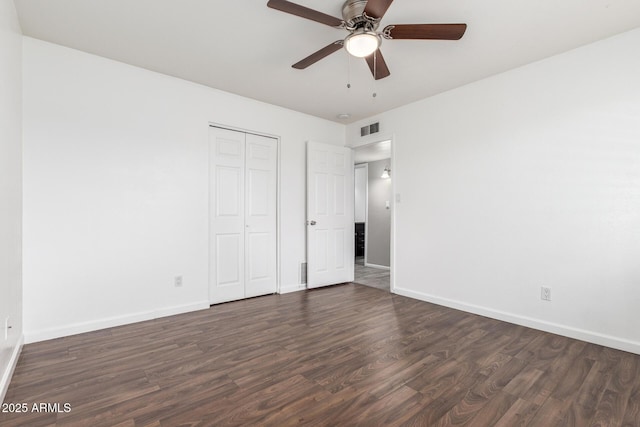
377,8
304,12
425,31
317,56
377,65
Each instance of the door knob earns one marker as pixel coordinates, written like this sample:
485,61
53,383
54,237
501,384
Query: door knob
312,222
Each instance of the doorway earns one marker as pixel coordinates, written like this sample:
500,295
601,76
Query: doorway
373,215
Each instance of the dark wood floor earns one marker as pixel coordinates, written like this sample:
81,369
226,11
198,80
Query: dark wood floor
344,355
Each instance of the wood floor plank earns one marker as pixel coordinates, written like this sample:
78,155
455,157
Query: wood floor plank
386,380
518,415
434,410
341,355
593,386
549,414
632,413
523,381
493,410
577,415
574,379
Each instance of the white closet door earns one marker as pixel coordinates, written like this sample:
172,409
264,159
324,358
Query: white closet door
242,215
260,219
226,215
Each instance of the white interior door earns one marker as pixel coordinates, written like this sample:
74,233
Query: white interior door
226,210
330,217
242,210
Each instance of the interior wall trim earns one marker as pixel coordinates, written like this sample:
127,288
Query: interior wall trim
380,267
110,322
8,373
542,325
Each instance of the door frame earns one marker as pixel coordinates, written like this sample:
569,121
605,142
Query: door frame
278,193
395,197
365,166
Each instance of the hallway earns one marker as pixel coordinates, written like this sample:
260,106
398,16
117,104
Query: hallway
369,276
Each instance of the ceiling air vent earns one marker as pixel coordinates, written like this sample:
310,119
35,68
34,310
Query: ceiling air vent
370,129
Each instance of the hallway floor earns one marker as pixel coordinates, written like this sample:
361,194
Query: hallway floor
369,276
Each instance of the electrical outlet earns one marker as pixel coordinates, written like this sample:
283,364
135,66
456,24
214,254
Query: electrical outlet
177,281
545,293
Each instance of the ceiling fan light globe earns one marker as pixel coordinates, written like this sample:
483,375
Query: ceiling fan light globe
362,44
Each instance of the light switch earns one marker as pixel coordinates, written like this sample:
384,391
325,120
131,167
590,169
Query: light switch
387,205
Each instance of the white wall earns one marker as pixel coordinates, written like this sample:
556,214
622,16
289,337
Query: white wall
115,188
379,225
527,178
10,190
360,199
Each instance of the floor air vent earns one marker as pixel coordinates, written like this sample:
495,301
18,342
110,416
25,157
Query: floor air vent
303,273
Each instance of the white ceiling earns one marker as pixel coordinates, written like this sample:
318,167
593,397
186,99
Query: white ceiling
243,47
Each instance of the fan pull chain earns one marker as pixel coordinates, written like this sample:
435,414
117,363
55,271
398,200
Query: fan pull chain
375,72
348,71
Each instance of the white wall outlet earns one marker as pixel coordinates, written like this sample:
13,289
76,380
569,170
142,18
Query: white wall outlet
545,293
177,281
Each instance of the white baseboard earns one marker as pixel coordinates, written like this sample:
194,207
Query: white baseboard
381,267
292,288
8,372
554,328
94,325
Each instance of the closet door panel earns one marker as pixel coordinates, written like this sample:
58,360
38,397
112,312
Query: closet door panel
260,237
229,192
258,193
229,266
226,215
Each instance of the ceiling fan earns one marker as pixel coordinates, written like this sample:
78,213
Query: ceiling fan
362,19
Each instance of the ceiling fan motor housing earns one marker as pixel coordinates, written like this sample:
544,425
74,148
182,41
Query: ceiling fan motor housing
355,18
